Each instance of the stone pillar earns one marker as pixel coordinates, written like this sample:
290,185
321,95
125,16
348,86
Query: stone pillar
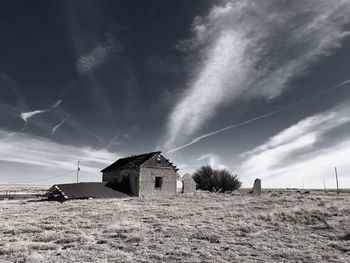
257,187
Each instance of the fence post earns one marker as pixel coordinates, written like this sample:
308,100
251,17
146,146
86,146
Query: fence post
336,178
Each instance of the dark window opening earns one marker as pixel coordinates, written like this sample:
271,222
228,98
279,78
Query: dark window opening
158,183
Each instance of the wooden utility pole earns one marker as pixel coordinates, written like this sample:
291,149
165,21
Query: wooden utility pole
324,184
78,170
336,178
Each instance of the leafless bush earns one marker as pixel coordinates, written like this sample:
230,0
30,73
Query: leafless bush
215,180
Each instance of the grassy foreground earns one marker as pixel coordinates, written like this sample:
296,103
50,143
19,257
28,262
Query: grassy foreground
206,227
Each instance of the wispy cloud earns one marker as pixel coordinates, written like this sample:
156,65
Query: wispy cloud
92,51
213,160
99,55
236,125
294,146
27,115
257,118
56,104
11,91
310,170
253,49
43,158
57,126
113,142
7,136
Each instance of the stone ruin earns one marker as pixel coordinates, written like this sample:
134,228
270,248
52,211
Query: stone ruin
188,184
256,188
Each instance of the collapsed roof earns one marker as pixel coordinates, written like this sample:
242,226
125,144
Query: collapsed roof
63,192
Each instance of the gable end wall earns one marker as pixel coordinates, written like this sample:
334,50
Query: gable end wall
153,162
147,181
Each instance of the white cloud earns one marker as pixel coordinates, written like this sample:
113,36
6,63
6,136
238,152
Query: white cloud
263,162
56,104
200,101
57,126
293,149
113,142
253,48
257,118
96,57
315,125
311,170
42,158
213,160
236,125
27,115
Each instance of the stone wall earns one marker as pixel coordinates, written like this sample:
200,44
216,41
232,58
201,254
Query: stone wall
147,178
188,184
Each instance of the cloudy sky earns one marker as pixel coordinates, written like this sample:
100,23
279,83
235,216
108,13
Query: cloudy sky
261,88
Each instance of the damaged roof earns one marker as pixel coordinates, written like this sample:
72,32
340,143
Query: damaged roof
131,161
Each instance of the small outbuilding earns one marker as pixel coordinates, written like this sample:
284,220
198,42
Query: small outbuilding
188,184
149,174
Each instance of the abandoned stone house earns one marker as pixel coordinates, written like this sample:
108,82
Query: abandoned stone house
149,174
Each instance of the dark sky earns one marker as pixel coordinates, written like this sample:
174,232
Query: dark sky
260,88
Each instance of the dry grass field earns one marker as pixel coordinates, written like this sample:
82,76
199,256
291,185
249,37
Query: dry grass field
207,227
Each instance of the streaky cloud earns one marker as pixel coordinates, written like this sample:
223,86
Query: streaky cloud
27,115
96,57
213,160
56,104
236,125
57,126
252,49
199,138
50,158
294,144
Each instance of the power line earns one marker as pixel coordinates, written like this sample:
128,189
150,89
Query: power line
48,178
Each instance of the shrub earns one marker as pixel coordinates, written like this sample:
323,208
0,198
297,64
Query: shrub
215,180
